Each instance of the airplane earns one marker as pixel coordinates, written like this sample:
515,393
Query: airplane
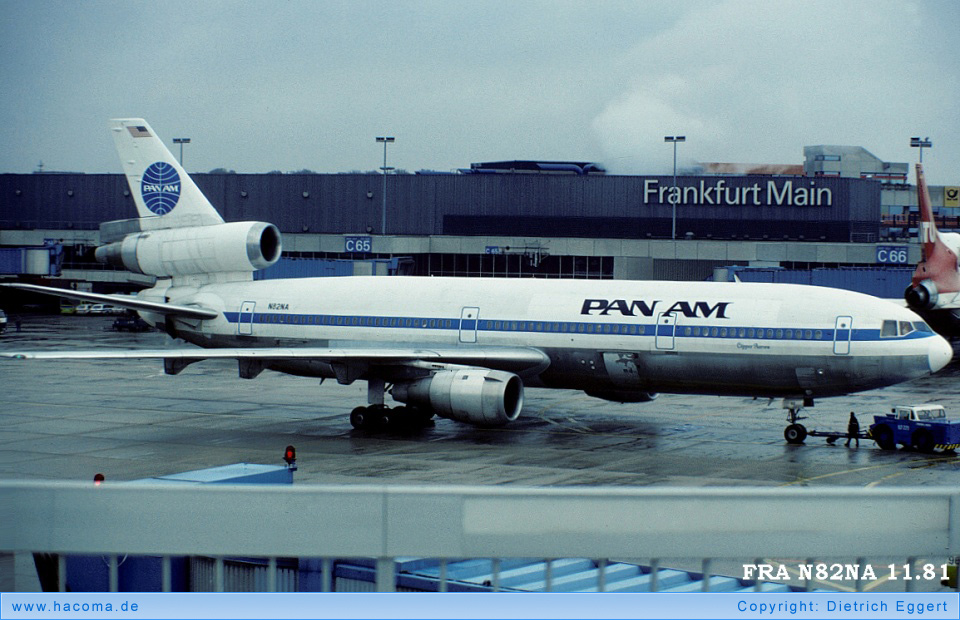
934,291
465,348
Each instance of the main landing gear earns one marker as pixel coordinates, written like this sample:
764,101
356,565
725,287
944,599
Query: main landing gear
377,416
795,433
381,417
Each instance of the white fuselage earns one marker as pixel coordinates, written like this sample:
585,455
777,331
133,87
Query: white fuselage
609,338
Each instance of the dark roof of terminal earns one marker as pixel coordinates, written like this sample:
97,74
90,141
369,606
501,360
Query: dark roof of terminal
536,167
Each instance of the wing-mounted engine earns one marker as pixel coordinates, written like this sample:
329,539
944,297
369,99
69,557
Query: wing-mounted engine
217,248
472,395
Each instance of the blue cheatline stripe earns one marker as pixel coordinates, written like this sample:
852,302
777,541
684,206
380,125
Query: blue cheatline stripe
723,332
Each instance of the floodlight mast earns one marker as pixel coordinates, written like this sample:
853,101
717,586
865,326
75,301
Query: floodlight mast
675,194
921,144
181,142
383,214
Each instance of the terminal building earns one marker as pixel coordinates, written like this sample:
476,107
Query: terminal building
843,208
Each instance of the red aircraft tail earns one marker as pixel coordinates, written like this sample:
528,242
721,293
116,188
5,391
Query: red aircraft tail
937,272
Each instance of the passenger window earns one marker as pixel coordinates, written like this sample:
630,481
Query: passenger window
687,331
742,332
889,329
818,335
808,334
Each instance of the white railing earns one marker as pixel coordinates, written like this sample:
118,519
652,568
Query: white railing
701,525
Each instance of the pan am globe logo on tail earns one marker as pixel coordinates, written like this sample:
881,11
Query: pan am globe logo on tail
160,188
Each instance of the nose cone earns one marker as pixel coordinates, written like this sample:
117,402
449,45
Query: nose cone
939,354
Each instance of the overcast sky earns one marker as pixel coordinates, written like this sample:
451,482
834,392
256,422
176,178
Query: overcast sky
287,85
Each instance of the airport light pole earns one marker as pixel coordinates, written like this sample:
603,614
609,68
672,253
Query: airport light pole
383,214
921,144
675,198
181,142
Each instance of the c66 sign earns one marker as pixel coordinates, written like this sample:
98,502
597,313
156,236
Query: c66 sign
892,254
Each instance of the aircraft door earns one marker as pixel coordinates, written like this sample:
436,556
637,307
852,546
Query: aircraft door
469,318
666,328
245,322
842,335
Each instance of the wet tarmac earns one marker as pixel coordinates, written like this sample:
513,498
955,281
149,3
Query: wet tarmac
127,419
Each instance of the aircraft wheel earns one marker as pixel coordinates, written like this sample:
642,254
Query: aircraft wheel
424,416
359,418
795,433
922,440
378,417
399,418
883,435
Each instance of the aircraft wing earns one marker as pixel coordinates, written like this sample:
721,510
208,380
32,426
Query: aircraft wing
517,359
190,312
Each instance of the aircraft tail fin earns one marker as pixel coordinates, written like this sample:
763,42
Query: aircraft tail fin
179,234
929,235
937,272
159,185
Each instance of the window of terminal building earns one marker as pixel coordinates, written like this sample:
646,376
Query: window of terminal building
528,264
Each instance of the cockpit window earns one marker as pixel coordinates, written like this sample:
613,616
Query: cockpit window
892,329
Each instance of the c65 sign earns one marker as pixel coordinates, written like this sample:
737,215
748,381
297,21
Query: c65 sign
362,245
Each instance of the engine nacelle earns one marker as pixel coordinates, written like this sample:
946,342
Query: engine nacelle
623,396
476,396
923,296
237,246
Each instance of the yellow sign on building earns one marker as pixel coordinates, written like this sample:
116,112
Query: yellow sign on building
951,196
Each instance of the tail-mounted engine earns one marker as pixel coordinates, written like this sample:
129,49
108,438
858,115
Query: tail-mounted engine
168,252
923,296
476,396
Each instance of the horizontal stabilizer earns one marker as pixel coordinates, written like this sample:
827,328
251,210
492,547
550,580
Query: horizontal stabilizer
190,312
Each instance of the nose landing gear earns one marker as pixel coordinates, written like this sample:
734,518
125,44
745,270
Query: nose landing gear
794,433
